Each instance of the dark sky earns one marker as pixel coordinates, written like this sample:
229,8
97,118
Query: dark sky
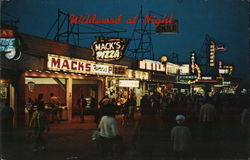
224,20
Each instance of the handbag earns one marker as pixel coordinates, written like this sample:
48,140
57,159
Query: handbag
96,135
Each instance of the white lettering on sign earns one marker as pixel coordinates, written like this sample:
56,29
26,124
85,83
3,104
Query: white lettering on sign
129,83
113,54
206,78
108,49
151,65
77,65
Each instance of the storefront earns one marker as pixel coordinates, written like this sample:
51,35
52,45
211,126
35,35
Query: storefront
69,79
67,73
161,76
133,83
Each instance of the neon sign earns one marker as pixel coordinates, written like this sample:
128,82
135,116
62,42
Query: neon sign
212,54
193,60
197,68
110,49
9,45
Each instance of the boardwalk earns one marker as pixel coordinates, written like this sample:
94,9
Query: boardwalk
72,141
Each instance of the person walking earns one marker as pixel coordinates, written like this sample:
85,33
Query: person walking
109,135
82,105
181,138
131,107
55,103
30,108
39,123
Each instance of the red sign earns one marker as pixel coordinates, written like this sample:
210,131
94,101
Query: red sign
6,33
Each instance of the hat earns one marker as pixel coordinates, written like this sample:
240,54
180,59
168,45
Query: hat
180,118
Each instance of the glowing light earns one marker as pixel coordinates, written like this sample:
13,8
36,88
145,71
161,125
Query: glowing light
164,59
230,69
212,53
198,75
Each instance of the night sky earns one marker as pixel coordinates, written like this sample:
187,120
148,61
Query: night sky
224,20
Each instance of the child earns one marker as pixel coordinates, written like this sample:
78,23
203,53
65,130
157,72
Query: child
180,137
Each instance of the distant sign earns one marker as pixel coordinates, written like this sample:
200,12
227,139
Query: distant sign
6,33
212,54
108,49
184,69
129,83
152,65
172,68
9,44
168,27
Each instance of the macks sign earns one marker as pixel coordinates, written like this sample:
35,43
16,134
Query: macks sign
110,49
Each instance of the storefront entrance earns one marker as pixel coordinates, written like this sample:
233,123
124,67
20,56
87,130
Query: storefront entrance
68,92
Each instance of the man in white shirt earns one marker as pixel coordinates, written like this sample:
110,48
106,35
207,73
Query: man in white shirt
181,138
109,135
207,112
108,127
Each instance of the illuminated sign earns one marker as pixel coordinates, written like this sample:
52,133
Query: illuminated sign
220,64
9,45
230,69
193,60
137,74
168,27
6,33
66,64
172,68
223,71
212,54
220,48
129,83
226,83
168,68
151,65
198,75
206,78
108,49
187,77
184,69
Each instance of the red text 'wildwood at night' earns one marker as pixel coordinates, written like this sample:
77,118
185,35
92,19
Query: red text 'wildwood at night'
157,21
89,19
74,19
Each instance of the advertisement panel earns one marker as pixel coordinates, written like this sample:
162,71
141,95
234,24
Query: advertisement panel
67,64
129,83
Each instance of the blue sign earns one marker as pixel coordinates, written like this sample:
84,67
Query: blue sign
8,46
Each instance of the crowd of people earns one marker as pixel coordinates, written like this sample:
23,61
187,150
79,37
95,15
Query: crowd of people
197,126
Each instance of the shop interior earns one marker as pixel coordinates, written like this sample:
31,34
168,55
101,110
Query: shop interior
35,86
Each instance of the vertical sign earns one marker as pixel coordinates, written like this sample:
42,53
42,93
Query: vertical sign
212,54
193,60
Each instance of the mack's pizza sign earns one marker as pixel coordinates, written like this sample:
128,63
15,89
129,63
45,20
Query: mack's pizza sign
109,49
